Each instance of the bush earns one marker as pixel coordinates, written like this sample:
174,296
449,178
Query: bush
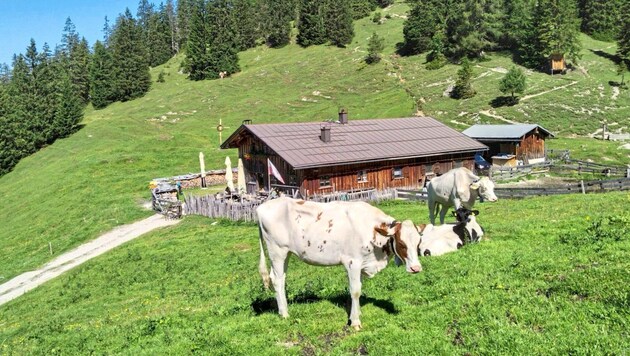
376,18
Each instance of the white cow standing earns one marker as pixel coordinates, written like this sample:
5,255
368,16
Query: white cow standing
438,240
354,234
457,188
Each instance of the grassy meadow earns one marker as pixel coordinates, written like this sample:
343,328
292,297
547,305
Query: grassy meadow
195,287
539,284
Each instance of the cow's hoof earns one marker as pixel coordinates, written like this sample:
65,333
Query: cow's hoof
357,327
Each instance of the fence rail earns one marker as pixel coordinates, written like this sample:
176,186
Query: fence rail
598,186
213,207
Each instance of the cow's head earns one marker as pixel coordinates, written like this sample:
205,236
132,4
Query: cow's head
485,188
467,225
403,238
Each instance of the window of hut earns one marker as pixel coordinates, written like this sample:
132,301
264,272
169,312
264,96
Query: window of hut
397,173
362,176
324,181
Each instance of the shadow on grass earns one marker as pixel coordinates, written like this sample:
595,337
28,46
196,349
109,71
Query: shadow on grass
612,57
268,305
500,101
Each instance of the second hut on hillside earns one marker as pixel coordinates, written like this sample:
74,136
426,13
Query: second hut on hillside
511,145
319,158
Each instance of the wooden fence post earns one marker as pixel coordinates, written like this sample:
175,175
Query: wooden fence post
582,185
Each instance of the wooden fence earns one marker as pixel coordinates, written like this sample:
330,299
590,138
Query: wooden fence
563,167
583,187
213,207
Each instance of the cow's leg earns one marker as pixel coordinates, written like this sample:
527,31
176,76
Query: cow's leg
443,210
354,277
431,205
279,264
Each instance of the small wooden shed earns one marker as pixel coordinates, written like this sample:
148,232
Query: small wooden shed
350,155
511,144
557,63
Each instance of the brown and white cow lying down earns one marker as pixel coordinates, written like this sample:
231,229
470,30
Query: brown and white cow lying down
354,234
438,240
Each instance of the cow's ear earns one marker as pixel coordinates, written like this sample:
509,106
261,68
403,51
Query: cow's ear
475,212
421,228
474,185
381,236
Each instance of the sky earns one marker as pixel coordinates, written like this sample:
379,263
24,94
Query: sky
44,20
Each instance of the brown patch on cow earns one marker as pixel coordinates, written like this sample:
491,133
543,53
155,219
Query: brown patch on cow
330,223
401,247
324,241
421,228
309,243
301,202
382,229
319,216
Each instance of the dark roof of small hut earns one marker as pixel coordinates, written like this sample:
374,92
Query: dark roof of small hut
357,141
503,132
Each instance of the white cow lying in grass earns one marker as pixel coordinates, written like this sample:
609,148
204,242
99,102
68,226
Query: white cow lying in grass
354,234
438,240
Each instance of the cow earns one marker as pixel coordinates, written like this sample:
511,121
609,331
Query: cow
438,240
457,188
356,235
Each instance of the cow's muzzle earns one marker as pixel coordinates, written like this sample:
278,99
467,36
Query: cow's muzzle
415,269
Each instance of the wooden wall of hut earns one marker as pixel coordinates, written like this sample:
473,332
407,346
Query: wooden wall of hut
531,146
380,175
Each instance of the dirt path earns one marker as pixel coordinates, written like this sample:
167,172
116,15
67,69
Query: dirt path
29,280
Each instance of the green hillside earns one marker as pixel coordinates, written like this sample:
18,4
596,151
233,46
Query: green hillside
84,185
79,187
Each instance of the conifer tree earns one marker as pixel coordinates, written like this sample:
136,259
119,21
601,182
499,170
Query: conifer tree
185,10
172,22
101,77
376,45
129,54
623,37
158,39
277,19
143,16
311,30
197,59
78,69
361,8
554,30
513,82
600,19
69,39
463,88
223,35
338,22
420,27
475,28
69,109
249,27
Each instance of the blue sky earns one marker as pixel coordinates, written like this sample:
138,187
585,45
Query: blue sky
44,20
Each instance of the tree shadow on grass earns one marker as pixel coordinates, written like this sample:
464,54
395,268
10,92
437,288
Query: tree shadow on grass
501,101
612,57
269,305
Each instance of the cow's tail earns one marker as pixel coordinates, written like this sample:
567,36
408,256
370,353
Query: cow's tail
262,265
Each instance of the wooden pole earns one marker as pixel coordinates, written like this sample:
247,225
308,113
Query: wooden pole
582,186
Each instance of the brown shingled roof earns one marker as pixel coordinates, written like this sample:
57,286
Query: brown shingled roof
358,141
